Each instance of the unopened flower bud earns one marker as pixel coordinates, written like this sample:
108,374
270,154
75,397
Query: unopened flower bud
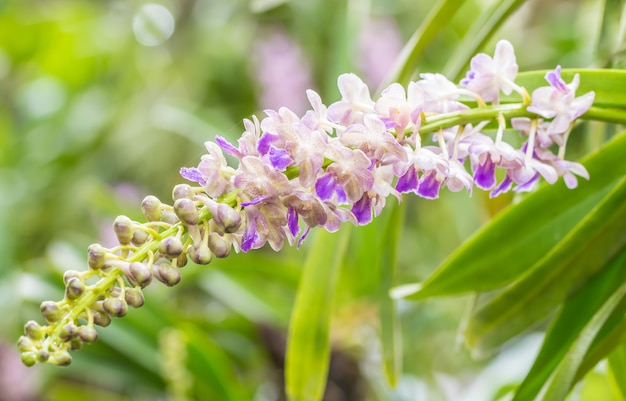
69,274
25,344
51,311
181,191
139,274
43,355
181,261
75,288
140,237
227,218
123,227
33,330
75,344
167,274
102,319
186,210
68,332
96,256
61,358
219,246
151,208
134,297
171,246
169,217
29,358
200,254
116,307
87,334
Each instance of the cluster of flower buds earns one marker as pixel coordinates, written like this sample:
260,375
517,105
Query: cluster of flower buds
334,164
156,249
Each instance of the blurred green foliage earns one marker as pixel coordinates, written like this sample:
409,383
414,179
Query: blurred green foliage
91,120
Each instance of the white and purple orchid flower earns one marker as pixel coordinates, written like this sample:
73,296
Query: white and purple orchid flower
340,162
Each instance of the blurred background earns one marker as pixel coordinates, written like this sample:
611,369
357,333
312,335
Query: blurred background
101,103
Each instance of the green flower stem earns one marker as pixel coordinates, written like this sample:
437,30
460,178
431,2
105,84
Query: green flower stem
473,116
605,114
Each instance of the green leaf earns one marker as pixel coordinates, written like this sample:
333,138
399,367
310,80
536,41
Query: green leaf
215,375
617,370
581,254
308,345
565,373
480,32
440,15
504,249
390,325
572,317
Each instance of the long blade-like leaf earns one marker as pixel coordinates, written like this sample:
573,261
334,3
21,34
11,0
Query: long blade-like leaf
308,345
564,376
504,249
617,369
574,314
582,253
390,325
439,16
481,31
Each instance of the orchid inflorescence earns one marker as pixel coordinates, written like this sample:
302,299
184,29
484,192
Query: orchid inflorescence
335,164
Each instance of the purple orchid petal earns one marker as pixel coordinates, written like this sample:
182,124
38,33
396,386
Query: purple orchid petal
325,187
429,186
408,182
227,147
341,194
485,175
249,239
266,141
192,174
555,80
280,159
256,201
504,186
292,221
362,209
304,235
528,185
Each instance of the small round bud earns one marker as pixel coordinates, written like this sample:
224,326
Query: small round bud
61,358
181,191
69,275
140,237
134,297
167,274
51,311
33,330
151,208
227,218
115,307
68,332
87,334
200,254
102,319
96,256
75,288
29,358
43,355
181,261
219,245
123,227
139,274
171,246
169,217
25,344
75,344
186,210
